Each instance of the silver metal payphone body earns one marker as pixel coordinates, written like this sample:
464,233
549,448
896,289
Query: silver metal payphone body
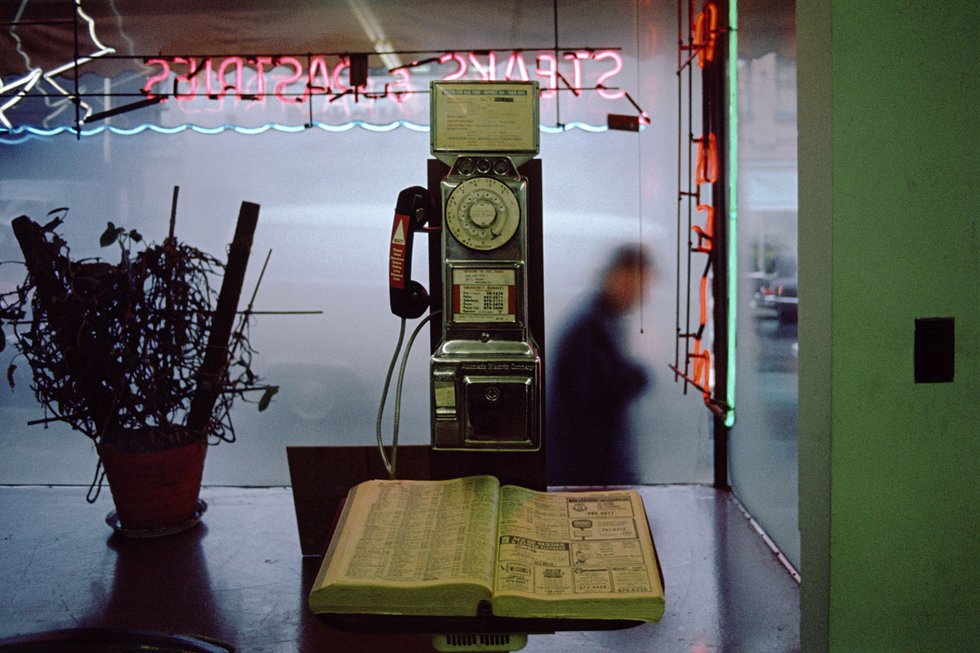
486,372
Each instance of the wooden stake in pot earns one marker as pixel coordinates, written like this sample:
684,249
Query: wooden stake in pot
216,355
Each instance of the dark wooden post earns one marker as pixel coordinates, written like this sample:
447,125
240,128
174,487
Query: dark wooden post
216,354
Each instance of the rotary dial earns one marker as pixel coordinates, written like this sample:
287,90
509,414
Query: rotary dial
482,213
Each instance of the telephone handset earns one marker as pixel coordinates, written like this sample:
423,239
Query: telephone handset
408,298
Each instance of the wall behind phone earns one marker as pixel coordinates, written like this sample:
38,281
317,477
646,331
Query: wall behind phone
327,202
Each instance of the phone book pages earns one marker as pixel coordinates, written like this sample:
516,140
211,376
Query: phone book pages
450,548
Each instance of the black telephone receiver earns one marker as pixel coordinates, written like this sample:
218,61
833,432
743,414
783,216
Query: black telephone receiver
408,298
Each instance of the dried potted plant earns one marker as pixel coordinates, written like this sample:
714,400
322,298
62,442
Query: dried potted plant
143,356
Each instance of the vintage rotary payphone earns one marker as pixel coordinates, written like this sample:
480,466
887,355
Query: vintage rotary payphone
486,370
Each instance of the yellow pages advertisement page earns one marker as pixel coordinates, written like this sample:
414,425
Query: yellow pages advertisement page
572,554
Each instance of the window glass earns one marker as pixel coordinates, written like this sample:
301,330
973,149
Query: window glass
763,444
327,202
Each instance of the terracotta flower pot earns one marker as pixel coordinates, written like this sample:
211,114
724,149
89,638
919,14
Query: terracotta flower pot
155,492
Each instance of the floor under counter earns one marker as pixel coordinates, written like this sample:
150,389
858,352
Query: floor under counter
239,577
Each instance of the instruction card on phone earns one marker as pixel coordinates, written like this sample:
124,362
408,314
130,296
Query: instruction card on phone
484,295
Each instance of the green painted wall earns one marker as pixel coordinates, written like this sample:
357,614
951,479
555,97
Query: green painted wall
903,510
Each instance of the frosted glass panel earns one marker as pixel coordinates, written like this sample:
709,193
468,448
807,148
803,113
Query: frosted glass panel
763,444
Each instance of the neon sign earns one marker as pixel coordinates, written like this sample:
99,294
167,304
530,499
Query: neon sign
293,80
700,191
706,34
287,79
706,172
268,91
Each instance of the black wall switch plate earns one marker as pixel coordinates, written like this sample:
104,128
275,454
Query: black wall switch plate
935,344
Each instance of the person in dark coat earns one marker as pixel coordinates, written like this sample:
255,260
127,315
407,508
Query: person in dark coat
592,381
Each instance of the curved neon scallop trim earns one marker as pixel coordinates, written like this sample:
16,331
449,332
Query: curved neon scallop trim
22,134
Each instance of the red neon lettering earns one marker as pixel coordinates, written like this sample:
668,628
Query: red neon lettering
398,88
254,90
706,235
488,72
702,359
318,66
576,59
237,85
208,76
280,88
604,77
260,64
338,85
516,60
460,62
338,81
283,77
706,170
706,33
192,83
209,90
550,74
704,300
702,367
159,77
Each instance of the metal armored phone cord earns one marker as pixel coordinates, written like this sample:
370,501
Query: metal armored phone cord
391,466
